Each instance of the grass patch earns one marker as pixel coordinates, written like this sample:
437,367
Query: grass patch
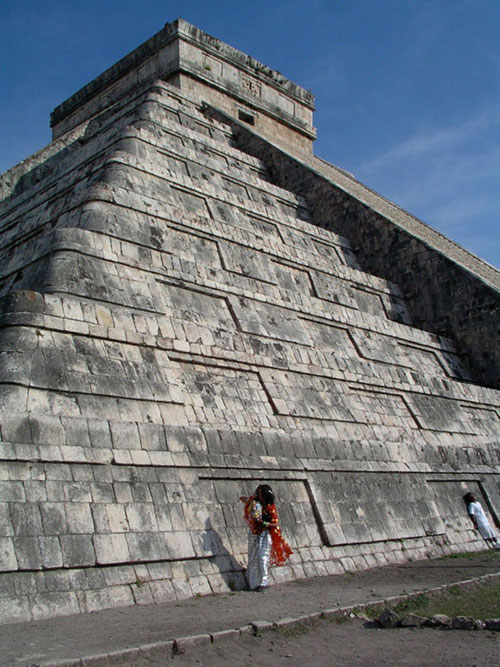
341,618
488,556
411,605
482,602
373,612
298,629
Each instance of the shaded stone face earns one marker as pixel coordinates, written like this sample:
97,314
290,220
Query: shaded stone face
189,310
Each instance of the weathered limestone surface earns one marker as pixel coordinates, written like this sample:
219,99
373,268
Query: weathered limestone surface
188,308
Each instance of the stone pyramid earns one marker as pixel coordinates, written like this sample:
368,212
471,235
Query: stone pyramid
192,303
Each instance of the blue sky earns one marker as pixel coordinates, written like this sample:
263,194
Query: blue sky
407,91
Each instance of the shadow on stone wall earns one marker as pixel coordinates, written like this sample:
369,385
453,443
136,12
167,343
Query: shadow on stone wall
231,570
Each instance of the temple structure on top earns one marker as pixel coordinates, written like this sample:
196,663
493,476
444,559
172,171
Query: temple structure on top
208,69
192,303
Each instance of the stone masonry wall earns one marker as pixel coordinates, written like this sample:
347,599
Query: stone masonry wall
443,296
174,330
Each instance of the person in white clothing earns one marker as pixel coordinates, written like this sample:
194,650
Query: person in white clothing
480,520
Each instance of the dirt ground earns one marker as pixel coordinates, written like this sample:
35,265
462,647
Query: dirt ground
324,643
352,643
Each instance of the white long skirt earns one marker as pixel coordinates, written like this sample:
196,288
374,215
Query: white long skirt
484,528
259,554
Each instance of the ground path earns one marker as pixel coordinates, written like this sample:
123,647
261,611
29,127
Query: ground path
131,630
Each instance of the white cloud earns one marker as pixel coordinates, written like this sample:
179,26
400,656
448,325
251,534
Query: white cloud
433,142
449,177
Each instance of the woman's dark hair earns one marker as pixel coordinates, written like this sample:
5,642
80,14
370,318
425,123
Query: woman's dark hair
267,494
468,498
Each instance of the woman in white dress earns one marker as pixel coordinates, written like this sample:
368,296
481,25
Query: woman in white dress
480,520
266,545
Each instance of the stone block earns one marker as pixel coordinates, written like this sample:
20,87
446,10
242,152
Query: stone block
162,591
11,397
12,491
28,554
146,546
260,626
78,579
123,492
95,578
77,492
102,492
25,301
51,453
77,550
200,585
179,545
118,521
26,583
388,619
46,429
439,621
103,474
492,624
56,471
412,621
286,622
7,588
217,583
57,580
224,635
152,437
15,428
9,452
183,644
35,491
125,435
163,518
15,610
462,623
182,589
79,518
146,474
8,560
122,457
82,473
332,567
115,596
54,519
140,457
161,458
142,593
142,571
122,574
100,517
77,432
99,433
6,527
140,491
111,549
195,440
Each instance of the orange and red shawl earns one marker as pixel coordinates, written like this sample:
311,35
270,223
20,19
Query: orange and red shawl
280,549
